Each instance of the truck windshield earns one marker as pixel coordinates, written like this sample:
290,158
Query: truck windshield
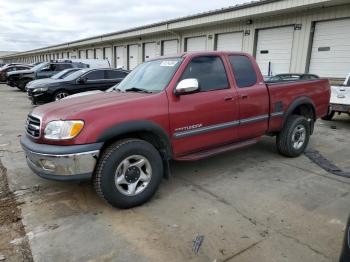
152,76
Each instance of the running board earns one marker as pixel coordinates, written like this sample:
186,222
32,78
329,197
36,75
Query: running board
218,150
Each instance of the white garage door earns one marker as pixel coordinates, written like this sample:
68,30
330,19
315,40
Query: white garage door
149,51
275,48
99,53
133,56
196,44
330,55
120,61
169,47
229,42
108,54
90,54
82,54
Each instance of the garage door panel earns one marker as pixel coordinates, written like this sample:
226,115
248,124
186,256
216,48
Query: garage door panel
229,42
108,54
170,47
133,57
149,51
99,53
334,61
196,44
120,58
90,54
274,48
82,54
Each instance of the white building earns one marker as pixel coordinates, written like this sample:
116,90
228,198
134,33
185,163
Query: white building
284,35
5,53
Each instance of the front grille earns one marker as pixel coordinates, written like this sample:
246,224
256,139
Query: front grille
33,126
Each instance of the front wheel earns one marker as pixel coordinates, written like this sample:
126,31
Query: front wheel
294,137
128,173
60,95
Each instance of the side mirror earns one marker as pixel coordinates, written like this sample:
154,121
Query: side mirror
82,80
187,86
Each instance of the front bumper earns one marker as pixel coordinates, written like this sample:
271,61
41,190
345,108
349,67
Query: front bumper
61,163
11,83
340,108
36,97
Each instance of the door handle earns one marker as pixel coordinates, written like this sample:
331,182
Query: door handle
244,96
228,98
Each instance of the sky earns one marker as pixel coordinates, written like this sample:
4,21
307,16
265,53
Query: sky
31,24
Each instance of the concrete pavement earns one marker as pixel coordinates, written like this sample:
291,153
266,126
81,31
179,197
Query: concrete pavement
250,205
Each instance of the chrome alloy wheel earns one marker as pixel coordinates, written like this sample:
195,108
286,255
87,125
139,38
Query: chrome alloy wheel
60,96
298,137
133,175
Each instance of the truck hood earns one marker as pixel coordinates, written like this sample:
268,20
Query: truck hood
77,107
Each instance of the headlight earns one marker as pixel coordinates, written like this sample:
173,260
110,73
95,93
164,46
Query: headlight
61,130
41,89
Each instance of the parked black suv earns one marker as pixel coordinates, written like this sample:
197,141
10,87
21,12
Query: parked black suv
44,70
80,81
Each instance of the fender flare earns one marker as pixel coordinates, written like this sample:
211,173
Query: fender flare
138,126
298,102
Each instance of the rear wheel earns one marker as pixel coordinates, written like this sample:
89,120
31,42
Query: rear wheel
22,85
329,116
128,173
60,95
294,137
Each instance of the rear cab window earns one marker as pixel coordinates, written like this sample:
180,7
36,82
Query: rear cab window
209,71
243,71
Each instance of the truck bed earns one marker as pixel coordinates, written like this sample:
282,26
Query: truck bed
284,94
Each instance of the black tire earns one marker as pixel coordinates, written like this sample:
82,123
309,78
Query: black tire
112,157
58,95
22,85
284,140
329,116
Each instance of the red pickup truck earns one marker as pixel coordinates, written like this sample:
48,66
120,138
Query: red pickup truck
186,107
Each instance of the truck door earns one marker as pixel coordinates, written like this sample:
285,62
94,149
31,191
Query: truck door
253,98
208,117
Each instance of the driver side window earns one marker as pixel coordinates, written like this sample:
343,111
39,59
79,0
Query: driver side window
95,75
209,71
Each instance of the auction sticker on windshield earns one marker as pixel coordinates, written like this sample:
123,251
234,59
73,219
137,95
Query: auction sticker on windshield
168,63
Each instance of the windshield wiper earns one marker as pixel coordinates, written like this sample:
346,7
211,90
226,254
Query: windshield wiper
136,89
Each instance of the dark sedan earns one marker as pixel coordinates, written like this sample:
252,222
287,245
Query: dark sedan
345,256
80,81
60,75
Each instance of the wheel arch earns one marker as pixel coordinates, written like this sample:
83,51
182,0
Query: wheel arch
143,129
303,106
